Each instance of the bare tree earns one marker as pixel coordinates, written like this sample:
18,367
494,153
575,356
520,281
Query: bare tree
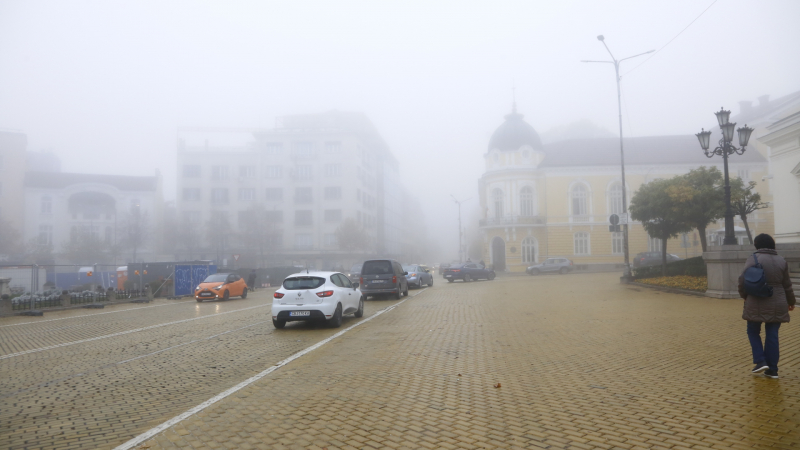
10,239
257,232
351,236
85,247
134,231
218,230
744,201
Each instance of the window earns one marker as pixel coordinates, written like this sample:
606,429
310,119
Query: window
303,149
528,250
497,197
526,202
303,195
47,205
191,194
303,241
191,171
333,215
273,216
653,244
247,171
744,174
333,193
273,171
219,172
333,147
273,148
617,244
330,240
333,170
247,194
581,241
579,197
274,194
45,235
615,199
303,217
219,195
304,172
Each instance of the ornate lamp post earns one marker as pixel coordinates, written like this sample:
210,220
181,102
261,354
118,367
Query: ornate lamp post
726,148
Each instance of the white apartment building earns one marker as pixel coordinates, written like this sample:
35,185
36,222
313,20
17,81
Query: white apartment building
310,173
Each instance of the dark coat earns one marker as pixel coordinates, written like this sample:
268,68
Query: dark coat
769,309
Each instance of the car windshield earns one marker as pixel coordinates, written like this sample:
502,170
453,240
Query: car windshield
216,278
377,268
409,269
356,268
295,283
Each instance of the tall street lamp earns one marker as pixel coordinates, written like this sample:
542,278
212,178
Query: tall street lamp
616,62
460,246
726,148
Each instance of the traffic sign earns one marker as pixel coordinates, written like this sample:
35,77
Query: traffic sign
236,257
613,219
623,218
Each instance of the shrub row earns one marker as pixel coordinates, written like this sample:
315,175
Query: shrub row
695,267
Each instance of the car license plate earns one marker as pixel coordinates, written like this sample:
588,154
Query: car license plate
299,313
448,276
377,281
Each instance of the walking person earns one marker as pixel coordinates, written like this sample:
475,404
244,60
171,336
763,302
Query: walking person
771,311
251,280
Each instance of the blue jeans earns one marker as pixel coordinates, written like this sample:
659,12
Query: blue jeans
769,352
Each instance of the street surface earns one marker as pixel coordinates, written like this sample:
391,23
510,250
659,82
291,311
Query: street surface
580,360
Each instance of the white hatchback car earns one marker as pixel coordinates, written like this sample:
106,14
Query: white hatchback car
317,296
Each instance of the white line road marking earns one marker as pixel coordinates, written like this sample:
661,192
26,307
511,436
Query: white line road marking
121,333
92,315
154,431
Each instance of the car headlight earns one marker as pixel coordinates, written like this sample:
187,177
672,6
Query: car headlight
219,287
197,288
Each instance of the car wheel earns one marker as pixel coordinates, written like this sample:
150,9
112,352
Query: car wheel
397,295
491,276
226,295
563,271
430,283
405,294
535,272
450,280
360,310
278,323
336,320
467,278
244,293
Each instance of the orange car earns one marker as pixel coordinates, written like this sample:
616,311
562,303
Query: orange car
221,286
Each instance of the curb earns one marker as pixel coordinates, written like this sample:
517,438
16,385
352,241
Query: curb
668,289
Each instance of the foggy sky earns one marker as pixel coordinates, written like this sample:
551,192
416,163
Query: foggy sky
106,84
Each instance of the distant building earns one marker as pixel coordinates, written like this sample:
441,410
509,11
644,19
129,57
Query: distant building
60,207
554,200
42,161
13,146
307,176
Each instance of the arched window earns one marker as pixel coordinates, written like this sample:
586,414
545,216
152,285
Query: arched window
582,244
529,250
526,202
497,197
615,199
579,197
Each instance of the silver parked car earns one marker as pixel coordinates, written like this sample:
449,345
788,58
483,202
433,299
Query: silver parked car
560,265
418,276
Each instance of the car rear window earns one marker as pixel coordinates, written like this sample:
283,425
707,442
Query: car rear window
296,283
377,268
356,268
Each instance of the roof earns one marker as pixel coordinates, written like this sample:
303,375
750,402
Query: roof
648,150
766,109
514,133
61,180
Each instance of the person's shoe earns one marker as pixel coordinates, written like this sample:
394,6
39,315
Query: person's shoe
760,367
769,373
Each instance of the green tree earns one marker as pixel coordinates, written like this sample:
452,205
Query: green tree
655,208
699,199
745,200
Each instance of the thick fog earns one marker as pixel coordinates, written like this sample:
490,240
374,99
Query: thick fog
106,85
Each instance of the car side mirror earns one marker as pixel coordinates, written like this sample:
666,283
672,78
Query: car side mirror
355,285
405,273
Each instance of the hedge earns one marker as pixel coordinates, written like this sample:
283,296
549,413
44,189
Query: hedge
693,266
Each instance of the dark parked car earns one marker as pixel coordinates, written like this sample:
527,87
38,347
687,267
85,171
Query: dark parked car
560,265
443,267
355,273
383,277
645,259
468,272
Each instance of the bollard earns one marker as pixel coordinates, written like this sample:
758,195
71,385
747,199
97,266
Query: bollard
5,305
148,292
66,299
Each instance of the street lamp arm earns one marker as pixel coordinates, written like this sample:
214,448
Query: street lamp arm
608,49
634,56
609,62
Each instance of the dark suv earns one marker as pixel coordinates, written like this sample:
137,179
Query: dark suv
383,277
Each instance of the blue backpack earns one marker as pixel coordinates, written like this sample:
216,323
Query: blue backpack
755,280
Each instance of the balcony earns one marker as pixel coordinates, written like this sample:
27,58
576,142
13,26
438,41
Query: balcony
513,220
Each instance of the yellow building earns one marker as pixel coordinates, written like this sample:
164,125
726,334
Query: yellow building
554,200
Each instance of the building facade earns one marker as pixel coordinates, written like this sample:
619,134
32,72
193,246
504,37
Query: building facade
307,176
13,146
554,200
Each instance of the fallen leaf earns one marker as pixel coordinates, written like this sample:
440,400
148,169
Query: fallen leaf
459,374
497,385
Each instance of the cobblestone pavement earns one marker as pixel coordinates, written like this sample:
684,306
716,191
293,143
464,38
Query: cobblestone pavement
97,378
575,361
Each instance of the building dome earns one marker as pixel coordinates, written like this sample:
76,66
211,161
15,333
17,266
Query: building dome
514,133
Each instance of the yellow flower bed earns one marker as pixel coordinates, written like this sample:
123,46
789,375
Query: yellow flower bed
679,281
